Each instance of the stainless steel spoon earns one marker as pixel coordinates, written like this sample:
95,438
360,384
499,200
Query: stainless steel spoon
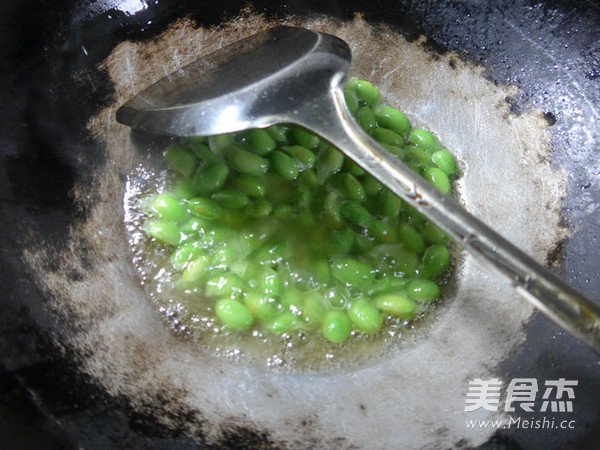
293,75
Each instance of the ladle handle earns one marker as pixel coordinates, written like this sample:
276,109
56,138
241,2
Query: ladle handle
555,298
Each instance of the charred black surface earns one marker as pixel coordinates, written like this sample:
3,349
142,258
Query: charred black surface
39,179
23,425
51,405
500,441
550,118
243,438
555,254
44,146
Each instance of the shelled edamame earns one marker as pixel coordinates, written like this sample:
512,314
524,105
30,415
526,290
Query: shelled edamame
275,231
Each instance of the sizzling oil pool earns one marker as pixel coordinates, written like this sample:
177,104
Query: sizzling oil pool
271,245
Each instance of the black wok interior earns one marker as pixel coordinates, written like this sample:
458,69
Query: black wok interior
51,86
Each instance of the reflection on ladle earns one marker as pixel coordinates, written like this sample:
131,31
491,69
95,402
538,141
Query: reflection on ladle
293,75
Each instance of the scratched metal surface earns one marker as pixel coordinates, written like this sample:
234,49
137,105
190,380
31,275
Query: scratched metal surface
549,51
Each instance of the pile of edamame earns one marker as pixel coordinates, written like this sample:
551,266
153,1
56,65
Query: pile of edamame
276,231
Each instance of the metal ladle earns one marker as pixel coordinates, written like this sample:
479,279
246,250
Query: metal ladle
293,75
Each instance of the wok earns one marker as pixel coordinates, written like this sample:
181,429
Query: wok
81,369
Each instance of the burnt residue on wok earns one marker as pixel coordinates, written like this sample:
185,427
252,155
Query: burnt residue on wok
47,147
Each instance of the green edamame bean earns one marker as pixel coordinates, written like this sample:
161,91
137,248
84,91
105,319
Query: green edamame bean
259,208
405,262
304,198
439,179
397,151
365,316
231,198
371,185
422,290
355,212
416,159
293,300
351,98
169,208
270,282
436,261
255,238
386,258
320,270
260,141
246,162
278,133
411,239
272,254
221,236
351,271
234,315
391,118
342,241
338,297
386,136
389,204
331,209
313,310
226,256
432,234
185,254
261,306
308,178
415,218
351,83
184,188
329,162
249,185
211,178
367,92
304,158
283,165
363,243
195,270
350,187
219,143
336,326
445,161
201,151
353,168
182,160
163,231
195,226
383,232
389,284
205,208
366,119
304,138
282,323
224,285
424,140
396,306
